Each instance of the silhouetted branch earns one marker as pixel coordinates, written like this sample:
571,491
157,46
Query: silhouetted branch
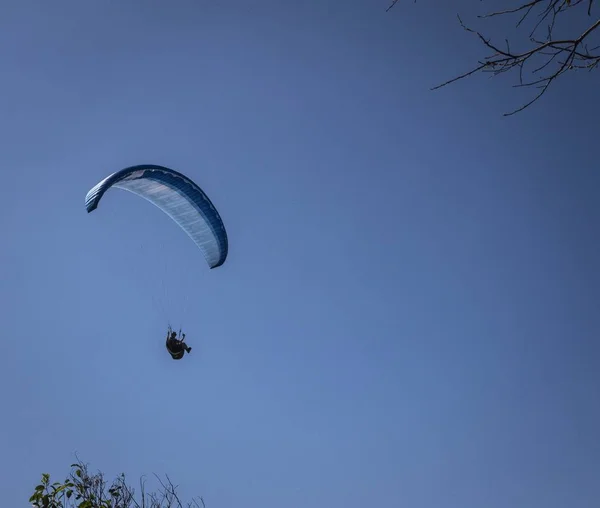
558,56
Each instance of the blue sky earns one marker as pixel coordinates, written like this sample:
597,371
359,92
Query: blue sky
409,312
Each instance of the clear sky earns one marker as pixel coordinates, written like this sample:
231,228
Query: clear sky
409,314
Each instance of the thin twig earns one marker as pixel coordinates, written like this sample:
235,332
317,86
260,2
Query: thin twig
577,55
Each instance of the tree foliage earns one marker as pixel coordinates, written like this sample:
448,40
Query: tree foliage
548,54
82,489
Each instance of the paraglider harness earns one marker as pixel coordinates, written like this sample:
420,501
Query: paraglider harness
176,346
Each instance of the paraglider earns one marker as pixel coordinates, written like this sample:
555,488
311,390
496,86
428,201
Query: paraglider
177,196
176,346
184,202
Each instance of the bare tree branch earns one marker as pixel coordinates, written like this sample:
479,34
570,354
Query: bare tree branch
394,2
558,56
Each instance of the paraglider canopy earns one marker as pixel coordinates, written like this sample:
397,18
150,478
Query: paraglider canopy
177,196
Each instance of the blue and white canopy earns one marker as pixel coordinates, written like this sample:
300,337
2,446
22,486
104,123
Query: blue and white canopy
176,195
